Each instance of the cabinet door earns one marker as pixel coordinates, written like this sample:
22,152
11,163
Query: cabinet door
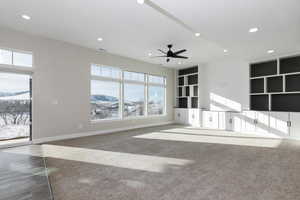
194,117
229,121
181,116
177,115
295,125
237,122
222,120
210,119
262,122
278,124
248,122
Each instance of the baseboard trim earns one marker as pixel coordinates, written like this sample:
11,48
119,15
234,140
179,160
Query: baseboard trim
92,133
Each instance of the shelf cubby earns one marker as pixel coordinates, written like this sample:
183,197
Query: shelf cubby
263,68
191,70
286,102
259,102
194,102
192,79
181,81
257,85
290,64
275,84
180,94
187,91
292,83
183,102
195,88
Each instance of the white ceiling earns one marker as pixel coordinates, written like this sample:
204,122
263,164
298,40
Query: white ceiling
134,30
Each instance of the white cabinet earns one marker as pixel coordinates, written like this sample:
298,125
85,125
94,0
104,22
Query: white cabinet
248,122
210,119
181,116
279,123
222,119
237,122
262,122
188,117
295,125
194,117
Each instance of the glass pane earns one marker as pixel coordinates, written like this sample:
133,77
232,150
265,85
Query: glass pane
22,59
156,79
104,71
5,57
133,76
134,100
14,106
156,102
104,99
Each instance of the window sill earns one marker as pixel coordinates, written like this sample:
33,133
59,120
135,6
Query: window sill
99,121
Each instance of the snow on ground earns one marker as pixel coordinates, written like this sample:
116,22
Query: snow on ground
13,131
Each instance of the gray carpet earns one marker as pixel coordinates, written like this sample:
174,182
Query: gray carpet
198,171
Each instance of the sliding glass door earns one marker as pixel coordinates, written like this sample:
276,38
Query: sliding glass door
15,108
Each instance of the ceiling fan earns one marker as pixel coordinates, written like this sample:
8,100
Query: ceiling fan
170,54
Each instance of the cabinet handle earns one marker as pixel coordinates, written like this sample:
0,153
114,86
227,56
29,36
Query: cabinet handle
210,119
289,123
230,121
178,114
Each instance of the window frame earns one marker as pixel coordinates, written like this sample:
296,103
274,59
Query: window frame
19,68
122,82
108,79
144,83
163,85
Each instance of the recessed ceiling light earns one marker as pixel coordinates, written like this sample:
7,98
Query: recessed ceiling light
149,54
225,50
141,1
271,51
100,39
197,34
26,17
253,30
179,63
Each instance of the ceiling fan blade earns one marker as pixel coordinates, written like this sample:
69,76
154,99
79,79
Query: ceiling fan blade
183,57
179,52
162,51
158,56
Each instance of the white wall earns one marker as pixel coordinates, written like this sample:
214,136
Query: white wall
62,73
226,82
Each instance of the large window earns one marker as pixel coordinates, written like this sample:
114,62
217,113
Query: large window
105,93
117,94
134,94
8,57
156,95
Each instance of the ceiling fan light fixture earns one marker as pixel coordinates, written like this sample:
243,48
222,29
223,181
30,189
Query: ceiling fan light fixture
197,34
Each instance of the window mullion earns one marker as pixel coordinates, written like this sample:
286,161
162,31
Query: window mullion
146,96
122,96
